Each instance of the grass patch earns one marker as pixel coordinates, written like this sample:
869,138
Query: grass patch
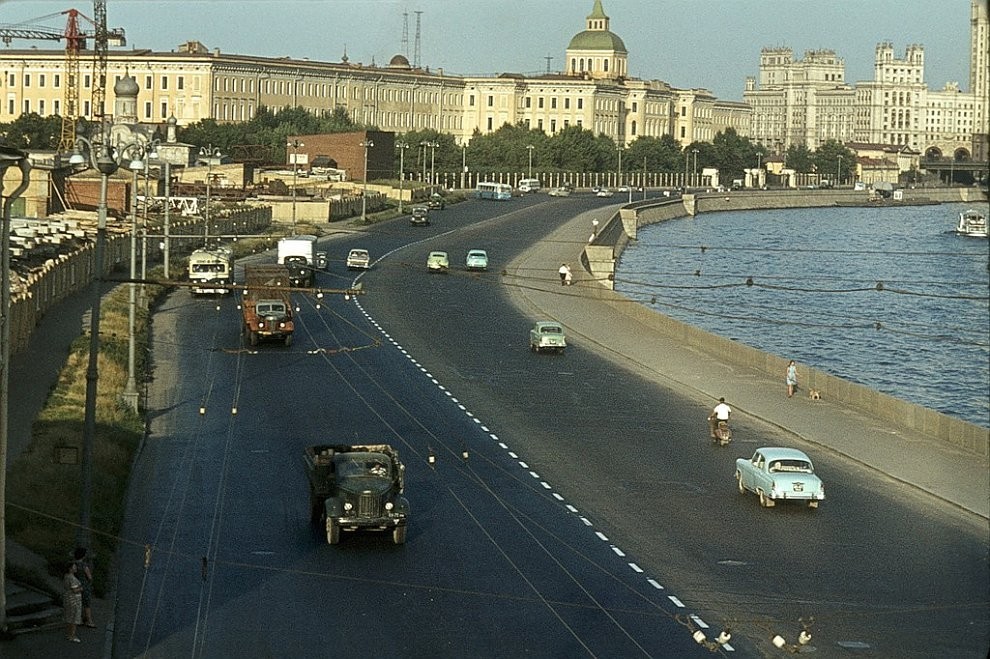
43,495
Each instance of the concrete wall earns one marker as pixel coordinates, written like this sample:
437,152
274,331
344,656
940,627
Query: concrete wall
601,254
44,288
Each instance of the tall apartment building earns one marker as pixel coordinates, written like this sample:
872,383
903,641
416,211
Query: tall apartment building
194,83
806,101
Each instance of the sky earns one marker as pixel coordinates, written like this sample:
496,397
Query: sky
712,44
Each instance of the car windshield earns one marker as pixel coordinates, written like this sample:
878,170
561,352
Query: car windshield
550,329
270,308
373,465
358,252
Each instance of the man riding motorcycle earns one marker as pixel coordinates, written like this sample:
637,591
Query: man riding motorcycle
720,413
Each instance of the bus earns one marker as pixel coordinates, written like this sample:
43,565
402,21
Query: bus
210,270
529,185
496,191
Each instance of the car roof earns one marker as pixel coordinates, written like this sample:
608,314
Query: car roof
359,250
782,453
477,251
438,253
545,323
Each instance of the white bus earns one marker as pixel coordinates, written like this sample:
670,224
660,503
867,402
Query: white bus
490,190
210,270
529,185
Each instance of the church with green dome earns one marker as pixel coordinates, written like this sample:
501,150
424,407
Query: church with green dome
597,52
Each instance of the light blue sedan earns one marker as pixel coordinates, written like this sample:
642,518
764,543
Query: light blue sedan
775,473
477,259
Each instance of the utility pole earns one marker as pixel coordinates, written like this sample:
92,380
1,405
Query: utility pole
8,157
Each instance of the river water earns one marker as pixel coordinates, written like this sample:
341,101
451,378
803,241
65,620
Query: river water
890,298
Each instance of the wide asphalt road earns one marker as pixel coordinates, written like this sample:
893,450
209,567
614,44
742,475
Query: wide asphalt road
590,516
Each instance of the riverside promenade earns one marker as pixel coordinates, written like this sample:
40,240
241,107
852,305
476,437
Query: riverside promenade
620,329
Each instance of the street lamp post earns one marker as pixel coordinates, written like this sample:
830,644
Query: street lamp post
168,190
209,152
759,159
102,157
463,165
694,171
364,195
433,165
8,157
838,172
618,177
294,145
530,147
401,146
130,394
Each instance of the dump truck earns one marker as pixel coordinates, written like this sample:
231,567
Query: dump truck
298,253
266,304
357,487
210,270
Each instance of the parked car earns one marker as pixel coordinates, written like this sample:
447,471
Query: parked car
477,259
604,192
437,262
547,335
775,473
436,202
559,192
358,259
420,216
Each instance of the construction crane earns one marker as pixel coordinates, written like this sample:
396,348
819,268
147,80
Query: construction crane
75,42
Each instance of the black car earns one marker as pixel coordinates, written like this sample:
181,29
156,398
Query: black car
437,202
420,216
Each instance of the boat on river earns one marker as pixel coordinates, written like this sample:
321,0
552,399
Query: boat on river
972,223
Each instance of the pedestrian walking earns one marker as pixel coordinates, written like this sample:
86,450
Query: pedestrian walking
71,602
84,572
567,278
791,378
563,271
594,227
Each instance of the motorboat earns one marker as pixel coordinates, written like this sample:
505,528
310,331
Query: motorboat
972,223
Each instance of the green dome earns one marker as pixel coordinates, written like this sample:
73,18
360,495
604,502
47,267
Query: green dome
597,40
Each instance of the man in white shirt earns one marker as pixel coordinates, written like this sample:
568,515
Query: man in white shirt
720,413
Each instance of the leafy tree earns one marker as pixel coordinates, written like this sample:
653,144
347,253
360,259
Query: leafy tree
32,131
799,158
832,159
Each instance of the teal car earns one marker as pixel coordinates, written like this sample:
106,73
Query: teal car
477,259
779,474
437,262
547,336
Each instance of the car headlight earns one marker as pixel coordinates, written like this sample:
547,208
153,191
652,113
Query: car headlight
389,506
348,506
261,324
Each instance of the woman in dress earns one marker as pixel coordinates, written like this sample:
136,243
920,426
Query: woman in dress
791,378
71,602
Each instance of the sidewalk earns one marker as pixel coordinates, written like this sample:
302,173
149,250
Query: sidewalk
936,467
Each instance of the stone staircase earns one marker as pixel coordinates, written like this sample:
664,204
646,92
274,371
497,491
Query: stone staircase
30,609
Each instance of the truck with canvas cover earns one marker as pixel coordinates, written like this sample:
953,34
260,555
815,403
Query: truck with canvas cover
298,254
357,487
266,304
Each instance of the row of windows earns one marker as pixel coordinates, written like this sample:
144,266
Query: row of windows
540,102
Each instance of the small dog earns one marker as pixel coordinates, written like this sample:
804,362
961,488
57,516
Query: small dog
814,394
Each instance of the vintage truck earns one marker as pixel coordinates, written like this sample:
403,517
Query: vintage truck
210,270
298,253
266,304
357,487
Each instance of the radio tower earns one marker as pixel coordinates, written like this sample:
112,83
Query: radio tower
405,34
100,43
416,52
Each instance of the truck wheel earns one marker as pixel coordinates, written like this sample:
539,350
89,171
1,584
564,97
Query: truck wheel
399,535
288,341
333,532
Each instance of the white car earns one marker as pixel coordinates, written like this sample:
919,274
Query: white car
358,259
477,259
604,192
560,192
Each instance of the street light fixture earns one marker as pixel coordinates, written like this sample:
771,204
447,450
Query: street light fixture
401,146
130,389
294,145
208,152
106,160
8,157
364,195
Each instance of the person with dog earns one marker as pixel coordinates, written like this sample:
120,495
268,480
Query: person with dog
720,413
791,378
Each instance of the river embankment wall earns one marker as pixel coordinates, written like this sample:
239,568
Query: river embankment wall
604,249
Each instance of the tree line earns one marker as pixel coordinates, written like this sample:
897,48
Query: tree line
509,149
